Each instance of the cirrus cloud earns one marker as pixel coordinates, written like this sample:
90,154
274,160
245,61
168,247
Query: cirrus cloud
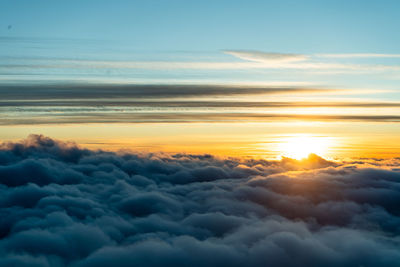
265,57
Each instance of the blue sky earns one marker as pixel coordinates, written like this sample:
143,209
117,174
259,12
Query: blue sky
345,44
287,26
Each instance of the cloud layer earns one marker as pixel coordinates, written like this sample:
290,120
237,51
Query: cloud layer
143,91
118,103
65,206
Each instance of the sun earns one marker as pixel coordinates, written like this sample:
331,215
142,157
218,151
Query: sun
300,146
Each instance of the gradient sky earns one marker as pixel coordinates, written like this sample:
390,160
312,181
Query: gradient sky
286,26
325,69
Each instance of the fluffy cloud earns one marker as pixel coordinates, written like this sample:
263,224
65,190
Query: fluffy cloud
65,206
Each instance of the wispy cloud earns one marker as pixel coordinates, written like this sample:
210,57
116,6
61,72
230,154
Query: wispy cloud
121,115
190,103
265,57
250,60
116,103
311,62
359,55
124,91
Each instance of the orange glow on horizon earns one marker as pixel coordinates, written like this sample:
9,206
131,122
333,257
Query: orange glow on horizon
259,140
300,146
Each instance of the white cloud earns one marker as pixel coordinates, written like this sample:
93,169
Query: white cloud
265,57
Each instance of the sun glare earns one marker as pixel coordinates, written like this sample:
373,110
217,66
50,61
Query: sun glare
300,146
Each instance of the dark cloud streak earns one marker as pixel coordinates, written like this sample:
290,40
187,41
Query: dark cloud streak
193,104
101,103
123,116
113,91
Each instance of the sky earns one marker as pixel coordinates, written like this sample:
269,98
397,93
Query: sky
287,71
288,26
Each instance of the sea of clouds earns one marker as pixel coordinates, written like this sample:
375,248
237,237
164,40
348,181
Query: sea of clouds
61,205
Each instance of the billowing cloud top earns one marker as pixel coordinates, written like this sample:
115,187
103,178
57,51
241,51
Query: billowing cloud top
65,206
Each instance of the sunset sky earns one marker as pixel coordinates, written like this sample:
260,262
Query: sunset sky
222,77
